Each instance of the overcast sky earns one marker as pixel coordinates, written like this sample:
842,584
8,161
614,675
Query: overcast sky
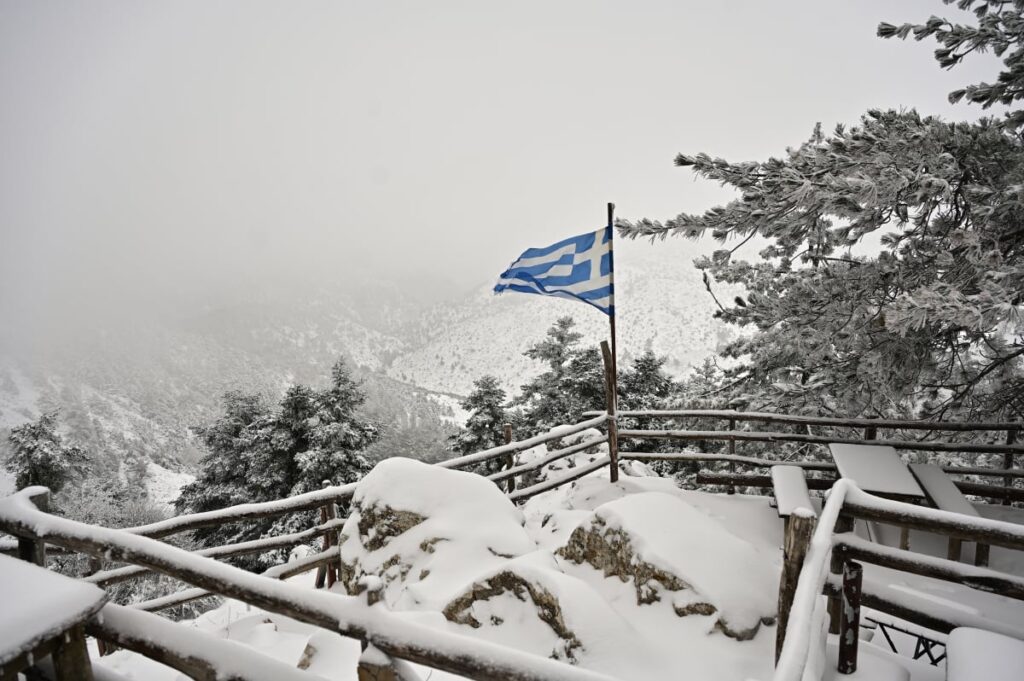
157,152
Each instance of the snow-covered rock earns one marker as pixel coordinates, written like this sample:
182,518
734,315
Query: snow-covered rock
531,600
427,532
686,560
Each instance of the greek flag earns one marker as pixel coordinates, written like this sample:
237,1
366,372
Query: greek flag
578,268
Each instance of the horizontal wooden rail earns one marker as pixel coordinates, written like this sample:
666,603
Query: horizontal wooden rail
983,530
345,615
731,458
282,571
551,483
980,578
513,447
895,424
122,574
925,614
550,457
197,655
269,509
765,436
755,462
765,482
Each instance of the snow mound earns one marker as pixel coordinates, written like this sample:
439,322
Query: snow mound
427,533
664,544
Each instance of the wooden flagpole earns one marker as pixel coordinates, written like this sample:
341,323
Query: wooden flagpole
611,368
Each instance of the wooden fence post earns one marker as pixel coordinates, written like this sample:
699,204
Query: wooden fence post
71,657
731,489
843,524
849,623
1011,438
609,394
33,549
797,540
326,574
510,460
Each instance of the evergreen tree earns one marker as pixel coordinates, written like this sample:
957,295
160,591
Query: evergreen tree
646,385
572,384
485,425
40,456
930,325
261,454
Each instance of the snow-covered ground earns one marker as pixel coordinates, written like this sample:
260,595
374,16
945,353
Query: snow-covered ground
638,580
163,485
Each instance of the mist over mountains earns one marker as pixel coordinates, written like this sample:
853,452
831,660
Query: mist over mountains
130,392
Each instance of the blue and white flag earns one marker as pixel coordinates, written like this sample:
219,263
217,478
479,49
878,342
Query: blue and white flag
578,268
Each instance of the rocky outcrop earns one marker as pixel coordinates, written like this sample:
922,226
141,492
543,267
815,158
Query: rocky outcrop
426,532
622,540
547,606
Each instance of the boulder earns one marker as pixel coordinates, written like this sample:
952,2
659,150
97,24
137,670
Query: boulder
426,532
669,549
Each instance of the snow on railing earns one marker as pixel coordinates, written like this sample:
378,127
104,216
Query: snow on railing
282,541
267,509
800,658
346,615
767,417
556,433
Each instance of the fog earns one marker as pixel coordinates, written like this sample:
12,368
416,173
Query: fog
167,156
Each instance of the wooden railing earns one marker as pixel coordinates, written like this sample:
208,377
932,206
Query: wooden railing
138,546
144,550
872,431
826,563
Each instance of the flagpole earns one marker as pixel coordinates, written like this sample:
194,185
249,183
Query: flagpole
612,399
611,281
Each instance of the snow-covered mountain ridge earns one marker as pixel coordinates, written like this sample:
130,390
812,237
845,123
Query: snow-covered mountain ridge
132,393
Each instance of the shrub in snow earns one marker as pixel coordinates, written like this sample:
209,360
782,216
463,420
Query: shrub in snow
628,538
427,532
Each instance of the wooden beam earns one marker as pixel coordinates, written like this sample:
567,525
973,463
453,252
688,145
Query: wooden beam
766,417
772,436
552,483
122,574
974,577
765,482
964,529
755,462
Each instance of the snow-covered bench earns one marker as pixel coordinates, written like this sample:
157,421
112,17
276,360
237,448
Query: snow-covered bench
945,496
979,655
791,493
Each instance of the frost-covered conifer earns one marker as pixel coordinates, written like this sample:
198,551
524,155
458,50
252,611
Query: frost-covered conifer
261,454
487,416
572,384
40,456
927,324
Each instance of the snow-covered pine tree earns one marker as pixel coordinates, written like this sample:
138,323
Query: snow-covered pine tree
40,456
572,384
929,323
487,416
644,386
261,454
